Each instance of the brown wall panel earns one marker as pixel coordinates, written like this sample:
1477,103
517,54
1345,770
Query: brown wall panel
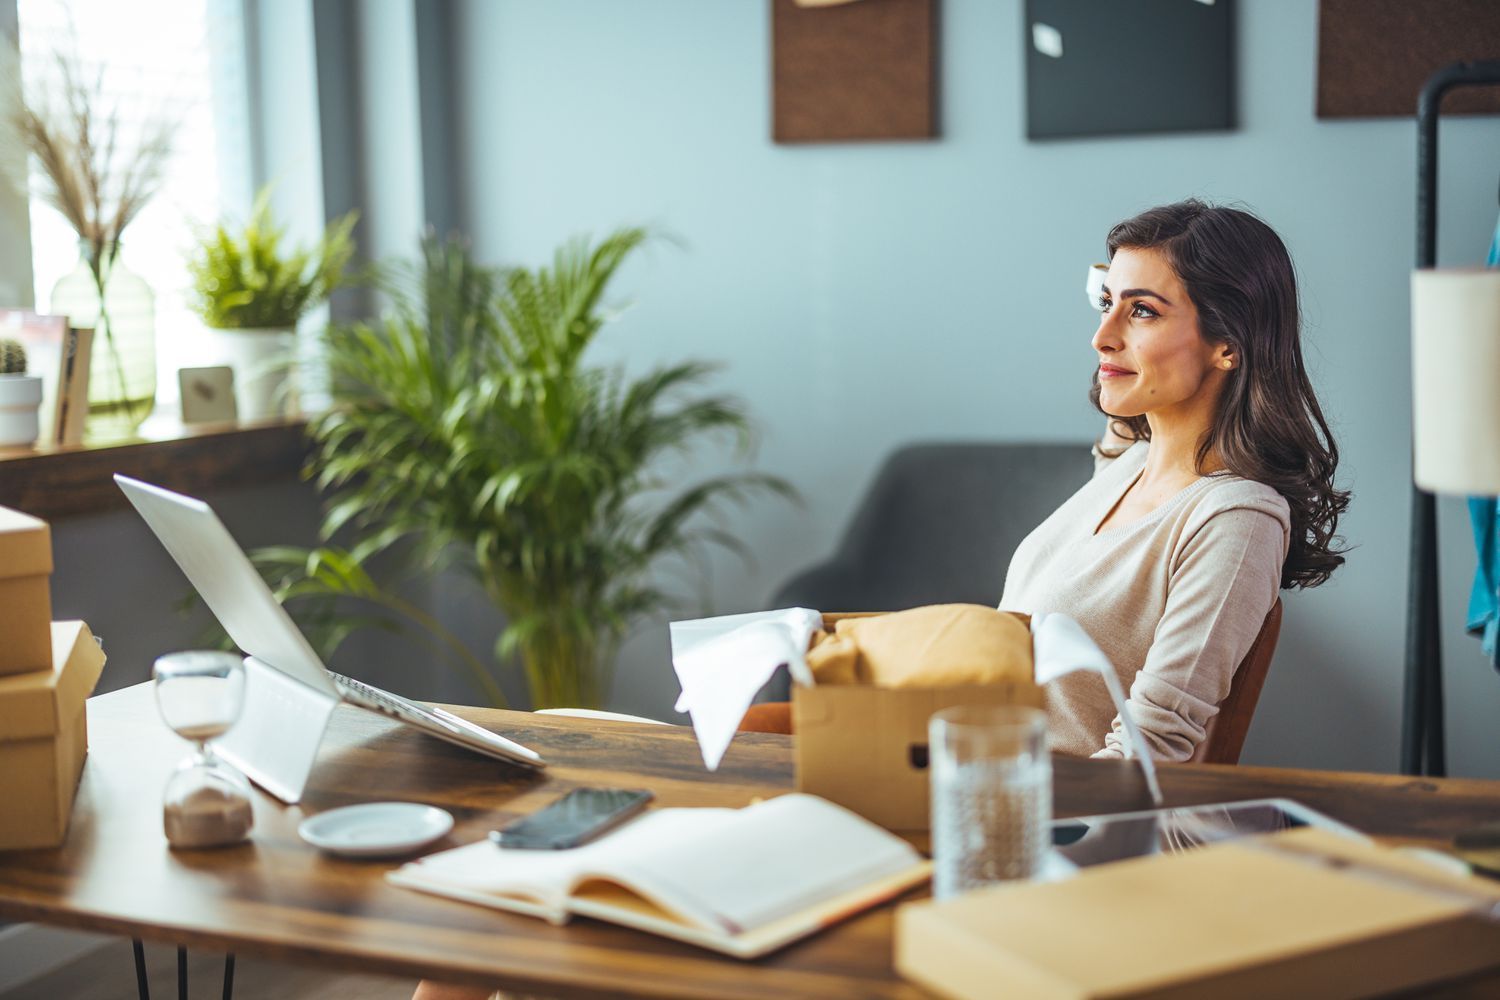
865,70
1374,55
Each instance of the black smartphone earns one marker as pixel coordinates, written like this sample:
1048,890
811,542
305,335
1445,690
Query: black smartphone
576,818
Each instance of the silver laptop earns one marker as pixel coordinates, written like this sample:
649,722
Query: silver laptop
229,584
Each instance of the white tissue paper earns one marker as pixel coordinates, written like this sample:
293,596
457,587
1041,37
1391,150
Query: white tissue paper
1059,646
723,662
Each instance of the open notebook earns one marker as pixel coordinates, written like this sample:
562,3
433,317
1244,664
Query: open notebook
739,881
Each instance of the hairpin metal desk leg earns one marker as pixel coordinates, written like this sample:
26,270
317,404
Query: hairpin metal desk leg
142,987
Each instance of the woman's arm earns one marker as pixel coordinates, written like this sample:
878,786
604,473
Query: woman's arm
1218,597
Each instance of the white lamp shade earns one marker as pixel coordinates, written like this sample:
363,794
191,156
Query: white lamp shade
1455,327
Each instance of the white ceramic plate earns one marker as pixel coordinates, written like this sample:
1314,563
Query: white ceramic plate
376,829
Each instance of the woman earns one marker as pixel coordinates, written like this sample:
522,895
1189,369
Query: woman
1213,483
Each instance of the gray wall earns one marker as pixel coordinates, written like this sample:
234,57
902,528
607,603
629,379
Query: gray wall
864,296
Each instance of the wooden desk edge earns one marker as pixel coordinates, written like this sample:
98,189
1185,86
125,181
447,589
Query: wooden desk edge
57,482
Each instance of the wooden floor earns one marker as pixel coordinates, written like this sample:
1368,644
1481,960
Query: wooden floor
109,974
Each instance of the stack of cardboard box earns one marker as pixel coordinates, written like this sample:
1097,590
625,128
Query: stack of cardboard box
47,670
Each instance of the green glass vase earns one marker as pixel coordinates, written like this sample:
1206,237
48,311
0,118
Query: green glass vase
122,367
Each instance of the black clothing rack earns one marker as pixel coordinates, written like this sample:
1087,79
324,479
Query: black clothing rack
1422,745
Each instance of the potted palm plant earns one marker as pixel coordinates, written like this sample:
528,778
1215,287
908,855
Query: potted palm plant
252,294
467,425
20,396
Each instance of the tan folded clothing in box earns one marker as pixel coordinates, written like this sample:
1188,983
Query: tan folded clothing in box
942,645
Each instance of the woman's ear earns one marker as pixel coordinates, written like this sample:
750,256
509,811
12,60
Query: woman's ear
1226,357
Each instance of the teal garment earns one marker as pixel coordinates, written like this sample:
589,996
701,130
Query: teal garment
1484,513
1484,599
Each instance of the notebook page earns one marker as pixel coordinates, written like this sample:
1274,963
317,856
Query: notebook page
544,878
484,870
775,858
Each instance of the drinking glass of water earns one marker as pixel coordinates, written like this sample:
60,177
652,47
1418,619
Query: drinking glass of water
991,795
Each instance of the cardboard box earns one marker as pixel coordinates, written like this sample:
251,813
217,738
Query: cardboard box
25,597
44,738
1302,913
866,747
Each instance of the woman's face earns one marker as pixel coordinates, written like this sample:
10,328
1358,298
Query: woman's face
1152,358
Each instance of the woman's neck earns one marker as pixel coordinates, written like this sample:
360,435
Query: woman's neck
1173,455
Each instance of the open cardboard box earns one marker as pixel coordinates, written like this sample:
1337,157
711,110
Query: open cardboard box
866,747
862,746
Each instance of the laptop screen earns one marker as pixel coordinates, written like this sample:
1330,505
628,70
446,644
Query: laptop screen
227,581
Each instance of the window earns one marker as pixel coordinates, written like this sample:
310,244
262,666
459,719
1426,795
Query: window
181,58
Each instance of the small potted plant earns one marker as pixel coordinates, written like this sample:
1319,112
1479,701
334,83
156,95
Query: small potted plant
252,294
20,396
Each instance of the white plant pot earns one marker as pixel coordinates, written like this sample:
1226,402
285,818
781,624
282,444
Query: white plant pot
263,367
20,399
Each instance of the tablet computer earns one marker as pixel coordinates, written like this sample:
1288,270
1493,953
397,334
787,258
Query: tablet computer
1096,840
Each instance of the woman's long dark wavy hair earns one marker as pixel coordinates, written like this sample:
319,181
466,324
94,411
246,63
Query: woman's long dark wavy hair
1268,426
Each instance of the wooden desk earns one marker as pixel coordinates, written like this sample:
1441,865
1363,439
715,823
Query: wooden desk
278,898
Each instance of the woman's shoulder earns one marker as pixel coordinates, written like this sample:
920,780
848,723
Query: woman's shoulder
1224,492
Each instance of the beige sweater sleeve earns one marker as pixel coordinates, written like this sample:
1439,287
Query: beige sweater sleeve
1103,457
1223,582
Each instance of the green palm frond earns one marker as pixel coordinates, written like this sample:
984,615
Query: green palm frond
468,428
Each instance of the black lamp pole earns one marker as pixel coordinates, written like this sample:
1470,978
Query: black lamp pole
1422,750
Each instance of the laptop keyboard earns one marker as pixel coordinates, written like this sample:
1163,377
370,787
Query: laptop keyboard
425,718
383,700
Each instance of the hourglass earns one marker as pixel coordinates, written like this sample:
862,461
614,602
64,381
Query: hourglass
199,695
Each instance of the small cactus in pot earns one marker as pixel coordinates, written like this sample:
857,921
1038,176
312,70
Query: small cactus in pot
12,358
20,396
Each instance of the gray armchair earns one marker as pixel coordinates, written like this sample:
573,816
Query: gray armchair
938,526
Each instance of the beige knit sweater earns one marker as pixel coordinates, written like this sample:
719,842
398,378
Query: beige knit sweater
1174,600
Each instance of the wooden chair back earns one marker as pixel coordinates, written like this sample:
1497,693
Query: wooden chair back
1227,729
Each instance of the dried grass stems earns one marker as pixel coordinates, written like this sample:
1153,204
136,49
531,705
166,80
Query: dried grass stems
91,169
94,167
